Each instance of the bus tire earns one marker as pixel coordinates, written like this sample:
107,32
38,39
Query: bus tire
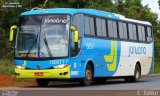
42,82
136,76
87,80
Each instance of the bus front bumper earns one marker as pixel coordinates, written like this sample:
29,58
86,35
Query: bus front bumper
49,73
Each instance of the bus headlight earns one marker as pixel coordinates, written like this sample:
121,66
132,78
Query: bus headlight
20,67
60,66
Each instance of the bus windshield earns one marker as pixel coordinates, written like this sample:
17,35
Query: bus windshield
43,36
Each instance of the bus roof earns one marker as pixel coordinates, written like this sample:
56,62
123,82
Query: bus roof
84,11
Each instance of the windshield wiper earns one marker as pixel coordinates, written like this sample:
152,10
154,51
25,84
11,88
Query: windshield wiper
35,40
47,47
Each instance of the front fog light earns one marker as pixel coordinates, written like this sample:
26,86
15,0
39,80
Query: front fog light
20,67
60,66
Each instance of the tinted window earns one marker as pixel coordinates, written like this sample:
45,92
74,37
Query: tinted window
92,28
86,23
125,31
149,34
110,28
134,32
130,29
122,27
115,29
141,33
104,32
77,22
99,27
121,30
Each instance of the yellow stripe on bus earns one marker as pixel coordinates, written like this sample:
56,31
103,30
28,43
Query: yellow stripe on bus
112,57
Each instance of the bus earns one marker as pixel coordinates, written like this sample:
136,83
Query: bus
85,45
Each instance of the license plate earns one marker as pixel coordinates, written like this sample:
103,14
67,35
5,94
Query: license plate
38,74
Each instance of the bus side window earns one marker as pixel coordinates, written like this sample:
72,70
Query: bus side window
99,27
134,32
141,33
77,22
149,34
115,29
104,31
86,26
110,28
125,31
121,30
130,29
92,27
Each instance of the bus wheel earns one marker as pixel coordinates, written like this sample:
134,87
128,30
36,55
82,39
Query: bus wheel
42,82
137,74
88,76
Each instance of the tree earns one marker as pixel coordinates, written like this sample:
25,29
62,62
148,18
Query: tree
129,8
105,5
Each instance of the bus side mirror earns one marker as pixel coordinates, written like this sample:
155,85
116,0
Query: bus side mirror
14,27
75,34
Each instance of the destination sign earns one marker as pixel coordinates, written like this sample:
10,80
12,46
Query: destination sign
55,19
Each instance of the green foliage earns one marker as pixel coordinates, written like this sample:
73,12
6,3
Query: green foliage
105,5
6,66
129,8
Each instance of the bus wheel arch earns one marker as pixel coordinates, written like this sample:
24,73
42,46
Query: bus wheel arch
88,74
137,72
92,66
136,75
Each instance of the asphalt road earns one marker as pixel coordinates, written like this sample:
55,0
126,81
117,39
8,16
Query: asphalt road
147,86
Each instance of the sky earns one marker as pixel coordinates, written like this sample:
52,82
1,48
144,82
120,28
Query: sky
153,4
